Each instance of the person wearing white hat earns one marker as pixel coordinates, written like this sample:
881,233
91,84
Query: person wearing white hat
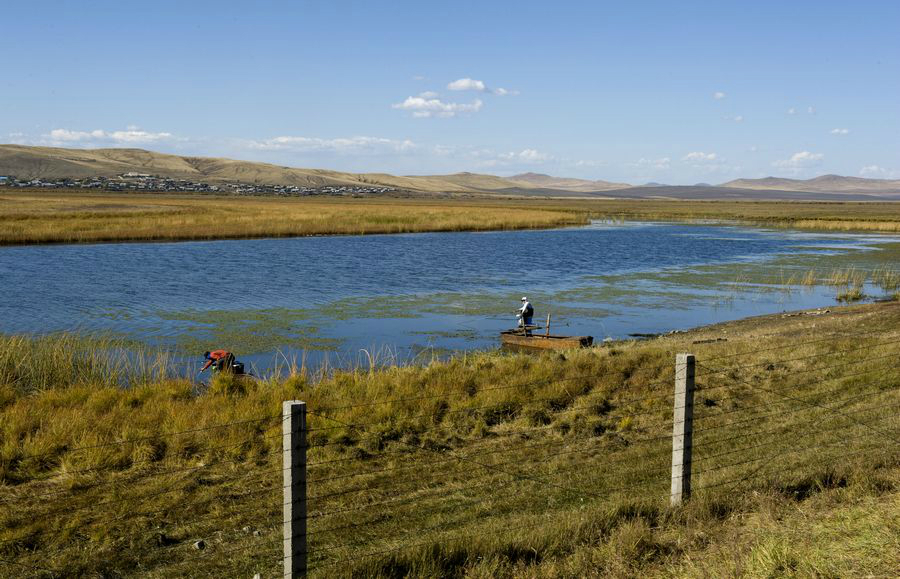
525,315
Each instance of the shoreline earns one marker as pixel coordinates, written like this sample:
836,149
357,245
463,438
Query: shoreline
73,218
409,438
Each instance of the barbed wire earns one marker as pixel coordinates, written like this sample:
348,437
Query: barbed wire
788,396
788,410
797,344
468,409
784,427
140,474
149,437
807,357
607,460
771,458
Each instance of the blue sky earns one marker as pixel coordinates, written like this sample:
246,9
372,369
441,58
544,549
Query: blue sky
675,92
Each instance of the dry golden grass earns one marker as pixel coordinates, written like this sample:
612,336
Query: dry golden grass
486,465
78,216
88,217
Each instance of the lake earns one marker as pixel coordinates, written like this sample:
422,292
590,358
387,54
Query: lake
402,298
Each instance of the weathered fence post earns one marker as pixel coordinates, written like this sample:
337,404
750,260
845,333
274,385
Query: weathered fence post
682,429
294,449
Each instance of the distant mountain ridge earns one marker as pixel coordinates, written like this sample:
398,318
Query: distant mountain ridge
821,184
55,163
26,162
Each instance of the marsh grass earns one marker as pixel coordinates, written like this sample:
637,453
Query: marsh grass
85,216
31,365
69,217
483,465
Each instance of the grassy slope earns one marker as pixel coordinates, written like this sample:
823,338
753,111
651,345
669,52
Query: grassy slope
512,465
42,217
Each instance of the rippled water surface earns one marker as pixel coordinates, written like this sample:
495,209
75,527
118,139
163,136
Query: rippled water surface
400,295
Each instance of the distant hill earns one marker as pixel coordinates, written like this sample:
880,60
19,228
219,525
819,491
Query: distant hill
565,183
54,163
822,184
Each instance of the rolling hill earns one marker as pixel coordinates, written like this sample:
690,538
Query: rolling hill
53,163
821,184
27,162
565,183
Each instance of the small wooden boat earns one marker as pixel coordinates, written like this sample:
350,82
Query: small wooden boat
518,338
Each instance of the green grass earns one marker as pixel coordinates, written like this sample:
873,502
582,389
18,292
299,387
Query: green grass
484,465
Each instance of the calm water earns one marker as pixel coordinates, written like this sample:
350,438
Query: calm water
400,295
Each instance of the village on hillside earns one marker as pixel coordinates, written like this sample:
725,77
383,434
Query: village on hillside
152,183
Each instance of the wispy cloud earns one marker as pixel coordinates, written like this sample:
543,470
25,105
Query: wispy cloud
343,145
840,131
467,84
429,94
527,156
718,95
504,92
655,164
811,110
478,86
130,136
487,158
800,160
792,111
701,157
423,107
876,172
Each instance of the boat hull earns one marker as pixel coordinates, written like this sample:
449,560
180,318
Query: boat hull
544,342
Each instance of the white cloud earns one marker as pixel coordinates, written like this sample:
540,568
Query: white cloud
718,95
753,148
420,77
527,156
876,172
429,94
792,111
590,163
811,110
656,164
467,84
431,107
800,160
504,92
132,135
479,86
840,131
701,157
355,145
738,119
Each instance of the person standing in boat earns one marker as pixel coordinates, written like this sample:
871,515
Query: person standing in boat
526,314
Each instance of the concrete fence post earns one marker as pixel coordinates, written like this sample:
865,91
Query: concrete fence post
294,451
682,428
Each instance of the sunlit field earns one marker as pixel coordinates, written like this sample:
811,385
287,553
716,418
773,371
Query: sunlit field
76,216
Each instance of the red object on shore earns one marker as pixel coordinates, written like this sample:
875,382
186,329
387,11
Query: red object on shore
215,356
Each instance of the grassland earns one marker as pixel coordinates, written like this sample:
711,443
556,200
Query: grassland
86,217
72,217
486,465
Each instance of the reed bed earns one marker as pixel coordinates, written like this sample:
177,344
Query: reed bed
74,217
78,216
502,410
